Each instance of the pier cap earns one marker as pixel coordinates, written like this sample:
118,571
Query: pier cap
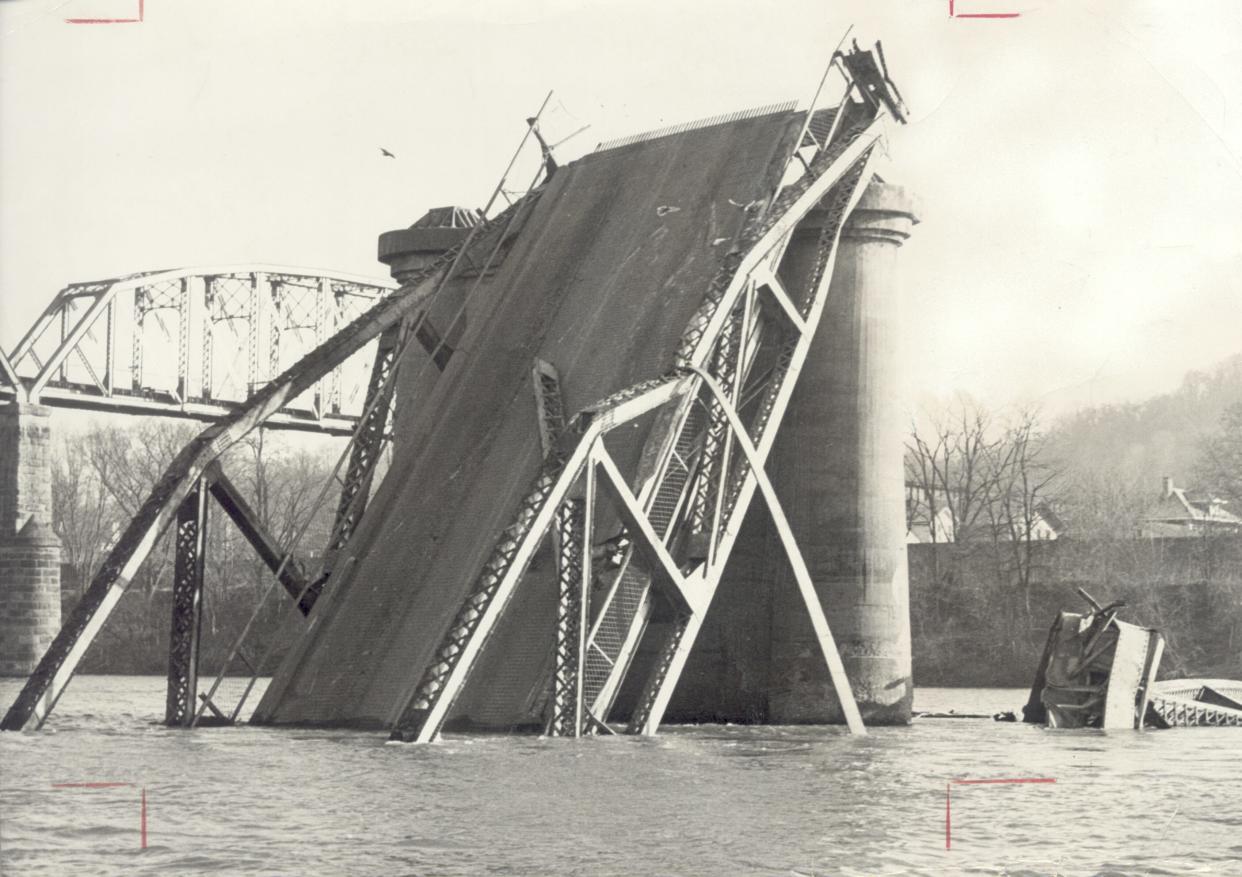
406,250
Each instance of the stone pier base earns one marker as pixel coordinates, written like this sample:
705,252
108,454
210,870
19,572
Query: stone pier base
29,549
29,597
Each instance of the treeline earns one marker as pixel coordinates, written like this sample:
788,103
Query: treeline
988,485
100,478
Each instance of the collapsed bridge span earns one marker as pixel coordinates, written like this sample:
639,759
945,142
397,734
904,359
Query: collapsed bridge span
611,366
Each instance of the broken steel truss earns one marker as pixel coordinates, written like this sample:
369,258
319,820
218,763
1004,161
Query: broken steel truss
716,418
190,543
407,306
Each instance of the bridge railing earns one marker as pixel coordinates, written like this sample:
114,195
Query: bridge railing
195,342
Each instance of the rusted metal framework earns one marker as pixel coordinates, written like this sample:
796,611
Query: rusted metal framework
167,343
190,554
187,606
1185,703
716,417
394,317
713,420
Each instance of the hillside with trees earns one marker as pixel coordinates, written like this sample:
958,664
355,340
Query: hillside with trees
1114,456
985,584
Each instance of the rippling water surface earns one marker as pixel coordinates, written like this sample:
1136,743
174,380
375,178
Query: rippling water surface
710,800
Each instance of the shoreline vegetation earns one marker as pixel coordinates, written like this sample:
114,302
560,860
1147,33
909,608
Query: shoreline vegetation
984,585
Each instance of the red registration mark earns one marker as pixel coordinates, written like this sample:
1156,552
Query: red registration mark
948,816
109,20
953,13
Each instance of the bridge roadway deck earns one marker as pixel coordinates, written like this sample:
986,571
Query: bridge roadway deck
613,256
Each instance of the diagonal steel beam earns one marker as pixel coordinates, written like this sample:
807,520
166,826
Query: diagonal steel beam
674,651
292,578
55,670
776,290
70,342
10,377
422,710
665,572
806,586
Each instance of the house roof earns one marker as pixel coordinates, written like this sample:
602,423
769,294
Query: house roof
1179,505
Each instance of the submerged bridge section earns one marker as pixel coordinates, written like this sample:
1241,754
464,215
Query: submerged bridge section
193,343
602,375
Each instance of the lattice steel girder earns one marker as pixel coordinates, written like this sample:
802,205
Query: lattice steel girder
549,404
44,687
847,162
366,449
423,709
187,607
574,524
571,540
103,294
680,641
802,575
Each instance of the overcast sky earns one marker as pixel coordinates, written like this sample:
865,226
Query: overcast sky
1080,167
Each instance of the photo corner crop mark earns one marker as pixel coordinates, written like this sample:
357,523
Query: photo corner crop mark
948,798
137,20
954,13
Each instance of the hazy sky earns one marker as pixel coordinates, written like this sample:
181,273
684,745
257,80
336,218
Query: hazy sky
1080,167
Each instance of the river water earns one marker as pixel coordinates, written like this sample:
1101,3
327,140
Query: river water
707,800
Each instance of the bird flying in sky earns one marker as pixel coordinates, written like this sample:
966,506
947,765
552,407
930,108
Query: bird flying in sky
386,152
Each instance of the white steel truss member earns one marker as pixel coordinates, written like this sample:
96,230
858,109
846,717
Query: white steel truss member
411,303
732,490
838,178
823,634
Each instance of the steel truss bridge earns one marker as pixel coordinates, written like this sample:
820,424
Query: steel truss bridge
195,342
717,415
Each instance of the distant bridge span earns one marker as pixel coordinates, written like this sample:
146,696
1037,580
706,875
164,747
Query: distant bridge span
195,343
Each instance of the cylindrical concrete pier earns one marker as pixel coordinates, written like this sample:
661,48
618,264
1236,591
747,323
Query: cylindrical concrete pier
837,466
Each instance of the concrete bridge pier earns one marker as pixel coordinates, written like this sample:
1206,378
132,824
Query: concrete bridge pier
838,468
29,549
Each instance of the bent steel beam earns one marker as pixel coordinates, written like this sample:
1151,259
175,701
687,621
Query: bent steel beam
422,711
44,687
827,645
847,167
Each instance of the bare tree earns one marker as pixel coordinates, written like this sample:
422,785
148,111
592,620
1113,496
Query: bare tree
952,469
84,513
1025,477
100,479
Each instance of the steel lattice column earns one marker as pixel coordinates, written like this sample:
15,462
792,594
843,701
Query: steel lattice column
367,446
574,525
187,607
